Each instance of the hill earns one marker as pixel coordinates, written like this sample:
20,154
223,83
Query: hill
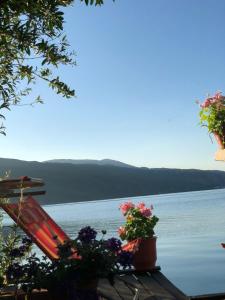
102,162
81,182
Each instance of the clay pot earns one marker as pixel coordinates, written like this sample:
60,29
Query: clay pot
220,140
146,255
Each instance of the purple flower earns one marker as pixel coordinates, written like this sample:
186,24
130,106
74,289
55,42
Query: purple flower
87,234
125,258
16,252
14,271
113,244
27,241
23,249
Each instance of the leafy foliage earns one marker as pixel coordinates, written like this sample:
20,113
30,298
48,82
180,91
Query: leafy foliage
32,46
13,250
212,114
95,2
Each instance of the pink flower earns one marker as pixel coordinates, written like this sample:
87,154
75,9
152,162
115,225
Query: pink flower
141,205
121,231
207,103
126,206
146,212
218,96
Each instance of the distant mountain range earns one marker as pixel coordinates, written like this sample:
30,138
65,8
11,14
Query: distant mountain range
83,181
103,162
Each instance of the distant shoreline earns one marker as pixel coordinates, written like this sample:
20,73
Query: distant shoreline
122,198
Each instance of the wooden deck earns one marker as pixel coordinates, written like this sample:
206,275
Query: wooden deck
218,296
128,286
140,286
152,285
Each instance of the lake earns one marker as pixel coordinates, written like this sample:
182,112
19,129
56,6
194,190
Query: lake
190,230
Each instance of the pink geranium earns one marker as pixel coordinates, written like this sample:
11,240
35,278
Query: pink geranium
207,103
141,205
217,98
125,207
212,115
140,221
146,212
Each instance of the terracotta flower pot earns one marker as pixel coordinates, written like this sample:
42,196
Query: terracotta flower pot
220,140
146,255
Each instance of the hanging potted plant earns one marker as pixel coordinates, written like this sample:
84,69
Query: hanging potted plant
212,115
139,232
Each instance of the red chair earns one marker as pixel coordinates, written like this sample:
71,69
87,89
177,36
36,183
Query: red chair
34,220
37,224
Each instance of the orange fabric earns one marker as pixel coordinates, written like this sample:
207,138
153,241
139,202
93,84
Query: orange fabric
38,225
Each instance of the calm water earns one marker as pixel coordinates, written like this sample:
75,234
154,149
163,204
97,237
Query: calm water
190,230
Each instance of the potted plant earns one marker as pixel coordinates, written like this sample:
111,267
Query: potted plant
212,115
75,274
139,230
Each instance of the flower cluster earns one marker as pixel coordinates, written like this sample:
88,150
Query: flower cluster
140,221
97,258
87,234
113,244
218,100
80,260
29,273
20,251
212,115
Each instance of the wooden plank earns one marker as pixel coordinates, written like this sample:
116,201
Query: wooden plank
11,194
23,182
133,283
35,295
133,271
166,284
220,155
154,287
217,296
125,292
106,290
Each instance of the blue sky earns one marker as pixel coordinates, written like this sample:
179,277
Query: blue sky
140,67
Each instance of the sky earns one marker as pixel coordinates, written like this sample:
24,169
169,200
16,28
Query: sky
141,65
